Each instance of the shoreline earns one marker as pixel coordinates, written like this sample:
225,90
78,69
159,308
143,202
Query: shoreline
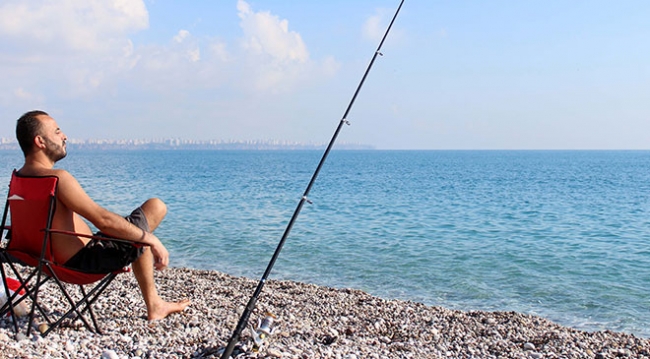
312,322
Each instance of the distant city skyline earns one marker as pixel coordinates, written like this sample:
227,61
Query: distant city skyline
179,143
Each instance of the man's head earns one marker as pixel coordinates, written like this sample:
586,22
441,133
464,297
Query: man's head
36,130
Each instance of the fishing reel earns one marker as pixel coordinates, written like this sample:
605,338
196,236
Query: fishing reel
263,331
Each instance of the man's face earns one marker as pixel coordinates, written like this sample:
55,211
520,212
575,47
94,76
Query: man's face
53,139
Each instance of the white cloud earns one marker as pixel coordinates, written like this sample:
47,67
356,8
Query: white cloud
375,26
267,57
72,45
220,51
182,34
372,28
79,25
22,94
266,34
81,49
193,53
330,66
276,56
174,65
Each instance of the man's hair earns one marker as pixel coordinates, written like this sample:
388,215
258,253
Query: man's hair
28,127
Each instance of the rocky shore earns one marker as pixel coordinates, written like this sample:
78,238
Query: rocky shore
312,322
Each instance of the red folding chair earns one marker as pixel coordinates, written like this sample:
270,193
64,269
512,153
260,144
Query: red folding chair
31,204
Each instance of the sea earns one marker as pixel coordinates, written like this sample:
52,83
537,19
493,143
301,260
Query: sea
564,235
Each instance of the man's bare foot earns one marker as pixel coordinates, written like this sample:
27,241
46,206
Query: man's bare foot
162,310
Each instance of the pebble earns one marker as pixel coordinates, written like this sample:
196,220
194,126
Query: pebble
110,354
313,322
274,353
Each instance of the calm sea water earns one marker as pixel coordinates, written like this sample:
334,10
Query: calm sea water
561,234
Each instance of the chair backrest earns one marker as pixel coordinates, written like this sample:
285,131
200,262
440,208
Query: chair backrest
32,202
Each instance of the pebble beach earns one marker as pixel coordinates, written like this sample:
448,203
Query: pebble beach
311,322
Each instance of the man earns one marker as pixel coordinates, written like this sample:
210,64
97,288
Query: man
43,144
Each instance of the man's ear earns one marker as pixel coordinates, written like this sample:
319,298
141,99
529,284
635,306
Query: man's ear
39,141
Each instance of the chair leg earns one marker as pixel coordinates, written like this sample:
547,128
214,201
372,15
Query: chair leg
92,296
34,297
78,308
90,310
9,303
87,301
16,298
74,309
28,291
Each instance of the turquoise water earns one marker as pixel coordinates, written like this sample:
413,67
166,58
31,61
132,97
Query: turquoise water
561,234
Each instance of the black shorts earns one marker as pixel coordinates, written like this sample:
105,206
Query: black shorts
105,255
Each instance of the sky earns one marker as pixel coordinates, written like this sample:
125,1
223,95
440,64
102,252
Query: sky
452,75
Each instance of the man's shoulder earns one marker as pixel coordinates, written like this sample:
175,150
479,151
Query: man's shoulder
60,172
63,175
40,172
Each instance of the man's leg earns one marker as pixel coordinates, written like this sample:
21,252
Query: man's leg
154,209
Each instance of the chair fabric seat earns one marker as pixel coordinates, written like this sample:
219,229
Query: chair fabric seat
64,274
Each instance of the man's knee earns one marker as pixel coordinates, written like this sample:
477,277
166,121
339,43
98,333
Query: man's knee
155,206
155,210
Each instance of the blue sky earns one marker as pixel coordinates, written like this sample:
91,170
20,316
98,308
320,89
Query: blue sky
454,75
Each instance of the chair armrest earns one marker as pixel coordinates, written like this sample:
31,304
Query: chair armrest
104,237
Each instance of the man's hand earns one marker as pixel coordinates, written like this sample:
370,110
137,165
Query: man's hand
160,253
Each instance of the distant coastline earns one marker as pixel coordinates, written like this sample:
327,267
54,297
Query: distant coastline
182,144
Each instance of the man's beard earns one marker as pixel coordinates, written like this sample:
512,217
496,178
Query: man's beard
54,151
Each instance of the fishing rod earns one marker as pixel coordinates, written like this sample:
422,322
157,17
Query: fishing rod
243,320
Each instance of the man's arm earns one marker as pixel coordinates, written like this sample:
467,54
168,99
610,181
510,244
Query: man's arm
73,196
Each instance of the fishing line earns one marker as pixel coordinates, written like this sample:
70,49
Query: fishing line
243,320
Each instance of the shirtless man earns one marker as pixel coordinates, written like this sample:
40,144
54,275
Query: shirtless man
43,144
